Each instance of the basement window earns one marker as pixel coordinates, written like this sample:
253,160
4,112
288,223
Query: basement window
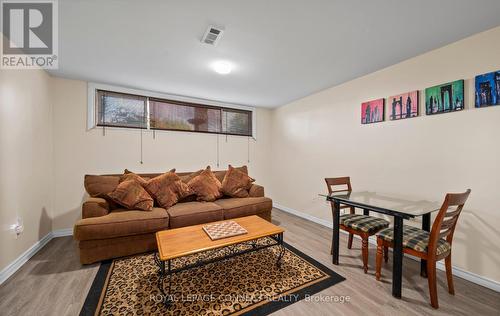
123,110
180,116
236,122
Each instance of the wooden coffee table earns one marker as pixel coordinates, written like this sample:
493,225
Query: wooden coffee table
180,242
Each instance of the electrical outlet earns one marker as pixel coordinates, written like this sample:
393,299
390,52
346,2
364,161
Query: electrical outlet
18,227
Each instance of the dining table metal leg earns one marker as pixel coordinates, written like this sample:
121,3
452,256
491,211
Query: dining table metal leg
335,233
426,225
397,257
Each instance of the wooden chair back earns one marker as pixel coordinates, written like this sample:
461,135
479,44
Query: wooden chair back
446,220
331,183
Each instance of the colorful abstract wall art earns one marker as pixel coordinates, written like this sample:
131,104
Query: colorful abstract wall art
446,97
403,106
488,89
372,111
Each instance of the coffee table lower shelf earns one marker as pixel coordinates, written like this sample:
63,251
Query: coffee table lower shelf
165,266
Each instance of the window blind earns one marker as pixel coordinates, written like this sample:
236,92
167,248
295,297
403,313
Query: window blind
116,109
121,110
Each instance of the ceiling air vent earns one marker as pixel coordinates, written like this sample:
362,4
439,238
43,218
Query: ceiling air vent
212,35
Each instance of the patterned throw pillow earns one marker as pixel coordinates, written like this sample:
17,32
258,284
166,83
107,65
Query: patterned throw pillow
188,177
206,186
167,189
132,195
129,175
221,174
236,183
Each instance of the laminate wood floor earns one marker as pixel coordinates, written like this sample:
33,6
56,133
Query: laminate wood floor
54,283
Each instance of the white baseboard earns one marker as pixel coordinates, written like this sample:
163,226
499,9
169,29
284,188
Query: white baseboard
458,272
314,219
62,232
25,256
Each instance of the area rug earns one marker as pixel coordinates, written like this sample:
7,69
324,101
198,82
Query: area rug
248,284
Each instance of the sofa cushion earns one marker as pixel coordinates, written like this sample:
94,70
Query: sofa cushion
100,186
167,189
101,249
94,207
256,190
240,207
206,186
132,195
121,222
236,183
192,213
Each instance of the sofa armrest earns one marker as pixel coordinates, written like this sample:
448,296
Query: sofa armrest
95,207
256,191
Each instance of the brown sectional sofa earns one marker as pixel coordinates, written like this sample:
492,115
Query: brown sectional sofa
108,231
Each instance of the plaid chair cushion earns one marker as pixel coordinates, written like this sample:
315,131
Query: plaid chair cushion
345,217
364,223
415,238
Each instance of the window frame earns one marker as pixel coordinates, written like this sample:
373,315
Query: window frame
92,113
146,111
240,111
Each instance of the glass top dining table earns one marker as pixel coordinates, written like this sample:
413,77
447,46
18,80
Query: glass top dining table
386,203
400,207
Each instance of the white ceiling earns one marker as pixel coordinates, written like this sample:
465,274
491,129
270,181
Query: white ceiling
282,49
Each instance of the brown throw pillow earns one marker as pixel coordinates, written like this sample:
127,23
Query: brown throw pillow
221,174
167,189
188,177
236,183
129,175
132,195
206,186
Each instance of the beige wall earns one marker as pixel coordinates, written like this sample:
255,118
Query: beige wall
25,159
321,135
79,151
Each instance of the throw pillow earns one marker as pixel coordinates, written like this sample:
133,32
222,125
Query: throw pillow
129,175
132,195
236,183
221,174
188,177
167,189
206,186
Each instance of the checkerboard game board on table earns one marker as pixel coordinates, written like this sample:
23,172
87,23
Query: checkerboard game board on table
224,230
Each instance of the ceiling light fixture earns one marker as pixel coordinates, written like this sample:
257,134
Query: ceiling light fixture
222,67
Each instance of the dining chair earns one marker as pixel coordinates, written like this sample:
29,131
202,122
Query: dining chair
431,247
355,224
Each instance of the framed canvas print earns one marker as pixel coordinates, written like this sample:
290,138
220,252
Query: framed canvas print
488,89
446,97
403,106
372,111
